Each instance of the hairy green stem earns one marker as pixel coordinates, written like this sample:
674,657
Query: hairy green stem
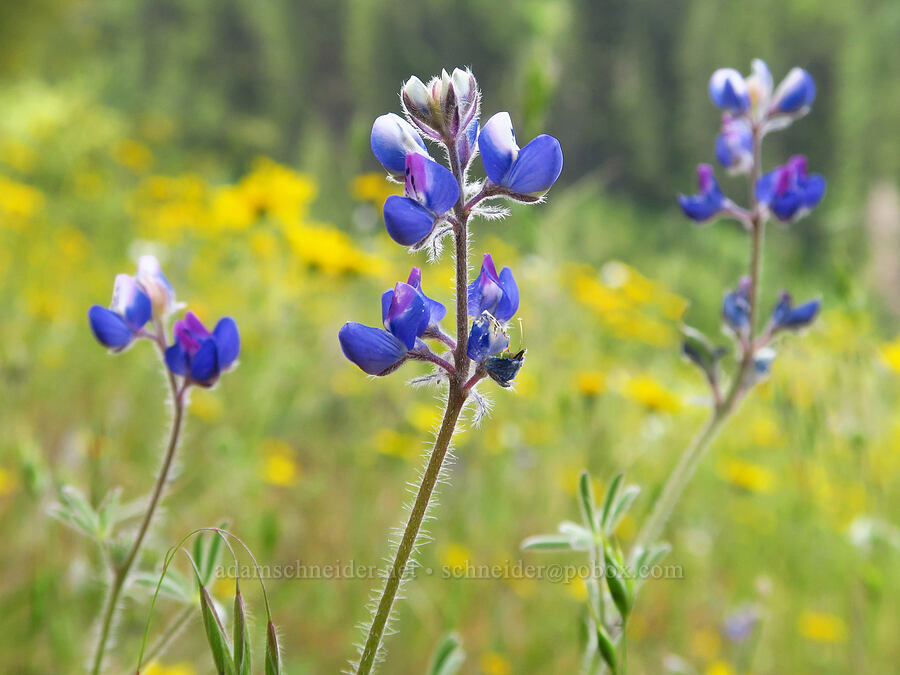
456,399
120,574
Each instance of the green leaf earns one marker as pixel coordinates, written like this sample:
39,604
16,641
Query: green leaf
215,634
273,654
241,632
74,510
173,585
548,542
607,649
618,588
620,507
611,493
588,505
448,657
698,349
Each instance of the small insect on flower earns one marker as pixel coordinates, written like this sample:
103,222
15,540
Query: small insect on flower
199,355
710,201
789,192
504,368
120,325
430,191
523,174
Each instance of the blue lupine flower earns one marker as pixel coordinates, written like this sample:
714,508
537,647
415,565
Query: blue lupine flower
406,314
530,171
486,338
124,321
734,146
795,94
762,363
728,90
200,355
466,144
154,283
436,311
495,293
789,191
736,308
393,138
504,368
431,190
709,202
787,317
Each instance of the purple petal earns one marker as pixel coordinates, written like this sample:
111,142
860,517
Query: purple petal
407,221
430,184
537,167
509,304
228,341
407,316
372,349
177,359
205,363
497,145
109,328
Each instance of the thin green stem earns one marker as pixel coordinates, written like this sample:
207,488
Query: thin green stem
740,384
456,398
120,574
170,633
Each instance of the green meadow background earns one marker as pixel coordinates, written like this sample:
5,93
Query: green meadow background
230,138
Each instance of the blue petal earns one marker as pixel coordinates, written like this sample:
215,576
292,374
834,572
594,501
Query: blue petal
407,316
392,139
728,90
228,341
465,143
785,206
814,191
765,186
537,167
698,207
509,304
797,91
386,298
486,338
803,315
205,363
177,359
138,313
430,184
497,145
406,220
372,349
109,328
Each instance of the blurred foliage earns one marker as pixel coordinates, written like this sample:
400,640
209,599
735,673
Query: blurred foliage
230,139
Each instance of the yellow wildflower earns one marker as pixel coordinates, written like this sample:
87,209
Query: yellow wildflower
455,557
890,352
7,482
424,417
20,156
705,643
647,391
821,627
155,668
493,663
18,200
395,444
719,668
279,466
374,188
748,476
133,155
206,405
590,382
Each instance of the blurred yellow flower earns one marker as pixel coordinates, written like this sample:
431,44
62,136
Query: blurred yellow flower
18,200
719,668
374,188
133,155
279,466
7,482
330,251
705,643
493,663
89,185
156,668
20,156
206,405
590,382
424,417
649,392
577,588
821,627
455,556
748,476
396,444
765,431
890,352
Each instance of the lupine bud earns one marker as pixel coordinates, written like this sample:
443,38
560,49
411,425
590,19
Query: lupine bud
787,317
759,85
762,364
709,202
417,102
734,146
466,144
486,338
430,191
789,192
728,90
200,355
393,138
525,173
154,283
494,293
795,94
736,308
130,310
504,368
445,106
